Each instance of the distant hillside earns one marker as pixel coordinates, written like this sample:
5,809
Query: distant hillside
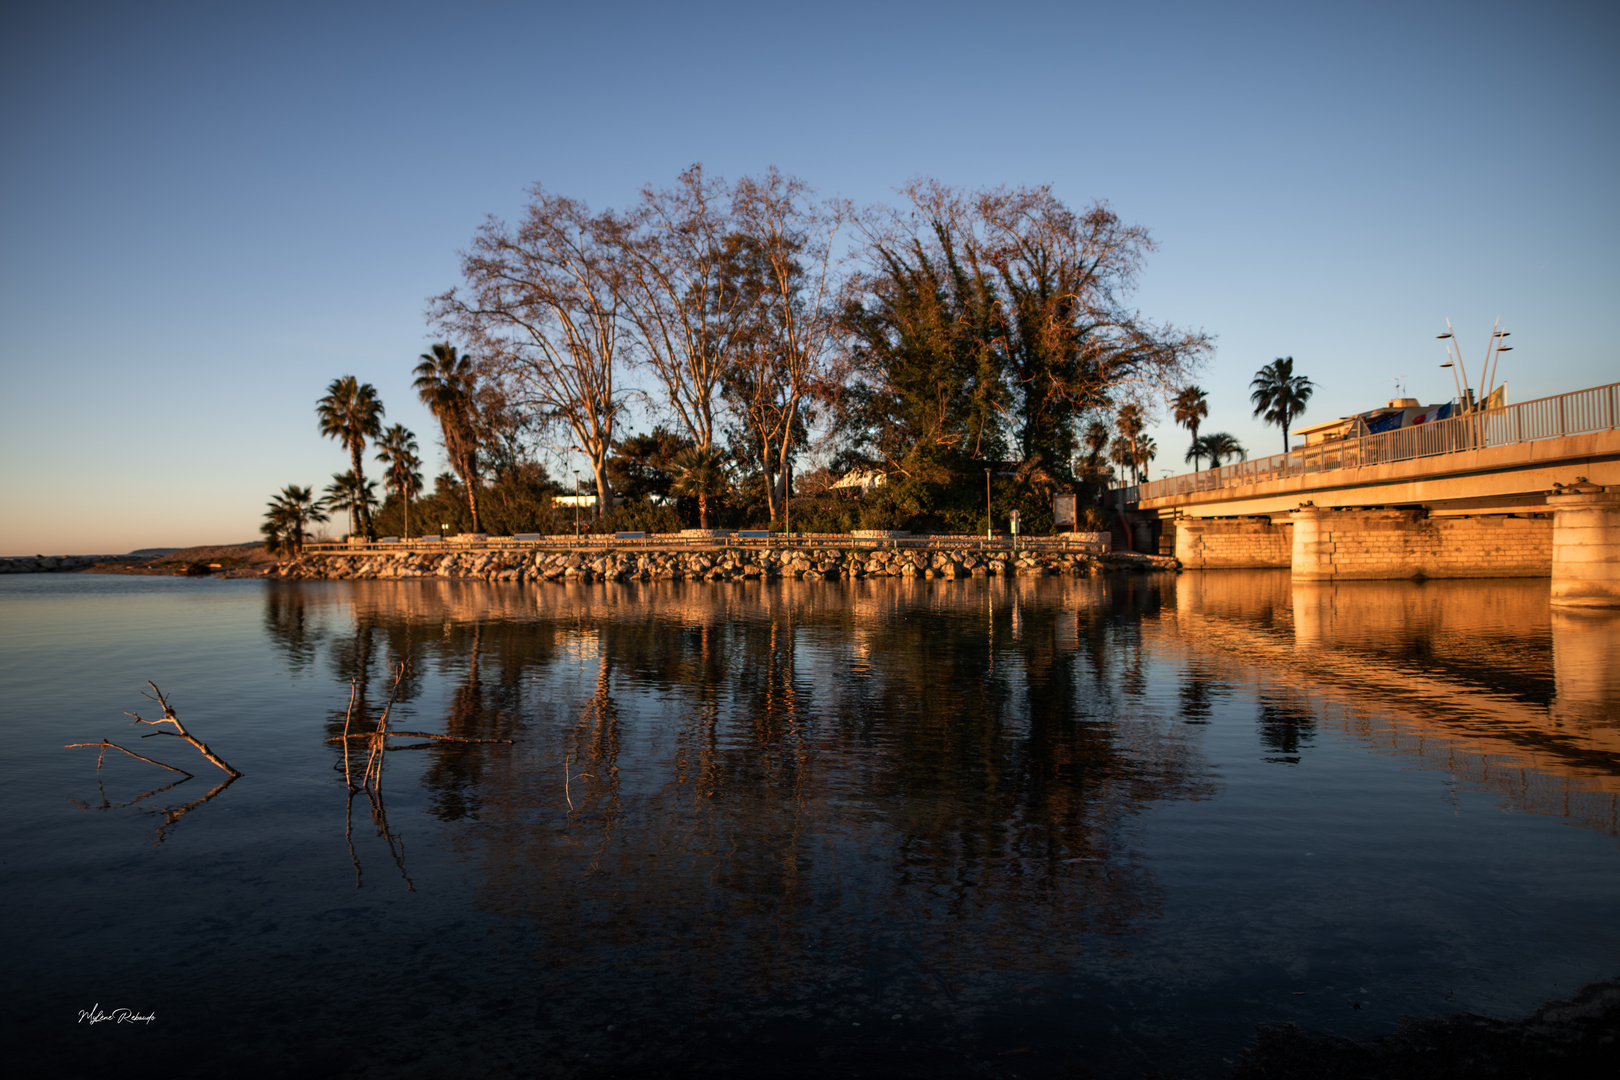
142,552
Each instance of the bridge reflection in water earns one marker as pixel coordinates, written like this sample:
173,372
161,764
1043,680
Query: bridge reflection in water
1482,679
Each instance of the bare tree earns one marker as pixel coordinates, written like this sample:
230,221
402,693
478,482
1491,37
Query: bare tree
542,305
688,315
787,256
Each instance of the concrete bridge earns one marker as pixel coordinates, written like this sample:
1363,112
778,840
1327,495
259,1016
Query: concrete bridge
1527,490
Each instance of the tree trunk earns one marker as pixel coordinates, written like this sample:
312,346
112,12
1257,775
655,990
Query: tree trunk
604,489
359,513
469,478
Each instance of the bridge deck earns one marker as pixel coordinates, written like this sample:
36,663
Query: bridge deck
1505,459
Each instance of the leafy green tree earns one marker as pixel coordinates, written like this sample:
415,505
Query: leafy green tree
1279,395
700,473
641,465
447,383
926,347
1190,408
397,450
291,513
351,413
989,324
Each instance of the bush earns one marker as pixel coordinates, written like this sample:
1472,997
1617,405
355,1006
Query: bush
636,516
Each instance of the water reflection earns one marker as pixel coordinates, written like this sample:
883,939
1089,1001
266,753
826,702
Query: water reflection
815,801
1479,678
786,785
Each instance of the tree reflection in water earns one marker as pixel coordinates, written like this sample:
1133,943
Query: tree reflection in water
731,805
900,785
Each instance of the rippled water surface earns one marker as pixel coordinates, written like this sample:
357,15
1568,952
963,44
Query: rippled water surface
894,827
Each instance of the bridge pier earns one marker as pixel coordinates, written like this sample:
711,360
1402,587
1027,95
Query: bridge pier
1247,543
1349,545
1586,546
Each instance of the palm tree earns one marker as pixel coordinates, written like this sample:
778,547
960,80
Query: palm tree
1191,407
1280,395
1130,423
397,450
353,495
351,413
290,513
1146,451
1123,455
448,385
1217,446
1096,439
699,472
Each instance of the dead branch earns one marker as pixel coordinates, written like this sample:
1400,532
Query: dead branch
169,717
105,746
348,713
372,778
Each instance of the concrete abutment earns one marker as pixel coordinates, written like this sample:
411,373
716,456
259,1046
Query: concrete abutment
1576,545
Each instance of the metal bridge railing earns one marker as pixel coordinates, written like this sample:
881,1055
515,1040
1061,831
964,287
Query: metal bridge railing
1596,409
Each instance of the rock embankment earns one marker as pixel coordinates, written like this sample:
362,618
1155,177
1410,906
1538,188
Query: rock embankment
726,564
47,564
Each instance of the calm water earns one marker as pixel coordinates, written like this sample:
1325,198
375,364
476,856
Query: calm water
892,828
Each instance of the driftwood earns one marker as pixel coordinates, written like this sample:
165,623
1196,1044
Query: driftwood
180,731
170,814
105,746
371,780
377,739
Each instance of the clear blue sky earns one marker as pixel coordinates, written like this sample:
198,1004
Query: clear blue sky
210,211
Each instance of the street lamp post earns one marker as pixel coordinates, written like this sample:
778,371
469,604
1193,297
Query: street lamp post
989,522
576,502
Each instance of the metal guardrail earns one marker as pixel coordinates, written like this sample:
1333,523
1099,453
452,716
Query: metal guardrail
1582,411
1093,544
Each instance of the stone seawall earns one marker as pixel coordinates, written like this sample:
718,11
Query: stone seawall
713,564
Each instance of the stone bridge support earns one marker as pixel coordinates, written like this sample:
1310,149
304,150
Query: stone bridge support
1247,543
1586,546
1348,545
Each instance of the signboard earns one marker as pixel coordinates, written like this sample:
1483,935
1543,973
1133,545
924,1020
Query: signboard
1063,510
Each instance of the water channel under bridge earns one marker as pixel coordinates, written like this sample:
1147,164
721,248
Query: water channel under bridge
1529,490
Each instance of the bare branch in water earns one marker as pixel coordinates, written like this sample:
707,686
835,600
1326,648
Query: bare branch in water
348,714
105,746
169,717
